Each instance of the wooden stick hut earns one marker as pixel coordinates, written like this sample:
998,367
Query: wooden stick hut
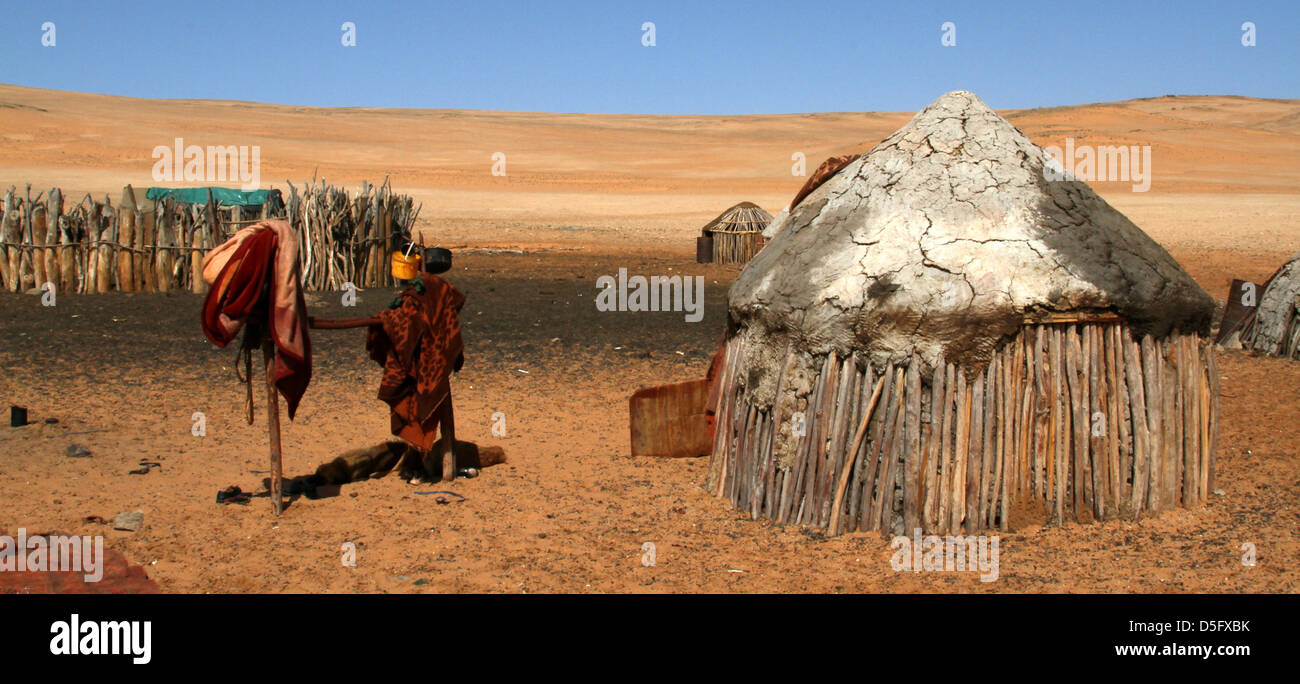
1274,326
735,236
946,340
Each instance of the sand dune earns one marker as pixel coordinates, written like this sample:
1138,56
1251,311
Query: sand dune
1231,160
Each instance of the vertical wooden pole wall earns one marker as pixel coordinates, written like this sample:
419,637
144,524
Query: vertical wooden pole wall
1075,419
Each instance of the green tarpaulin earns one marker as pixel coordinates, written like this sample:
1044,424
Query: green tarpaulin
225,197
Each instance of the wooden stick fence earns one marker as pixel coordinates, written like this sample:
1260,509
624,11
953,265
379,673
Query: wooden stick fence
143,246
346,239
1076,418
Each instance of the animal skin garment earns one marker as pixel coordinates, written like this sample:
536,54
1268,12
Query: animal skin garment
419,345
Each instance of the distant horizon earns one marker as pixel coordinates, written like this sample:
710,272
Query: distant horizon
579,113
725,58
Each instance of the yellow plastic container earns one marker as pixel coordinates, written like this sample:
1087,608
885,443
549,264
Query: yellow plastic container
405,267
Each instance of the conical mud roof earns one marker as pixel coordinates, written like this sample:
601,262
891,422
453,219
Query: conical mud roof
941,241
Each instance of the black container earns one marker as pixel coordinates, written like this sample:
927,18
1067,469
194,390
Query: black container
17,416
437,260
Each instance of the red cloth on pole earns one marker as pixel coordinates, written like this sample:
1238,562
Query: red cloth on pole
255,276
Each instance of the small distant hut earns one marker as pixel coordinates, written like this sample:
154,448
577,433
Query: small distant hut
735,236
944,339
1274,327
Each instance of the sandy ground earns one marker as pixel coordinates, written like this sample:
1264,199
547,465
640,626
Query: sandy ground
569,512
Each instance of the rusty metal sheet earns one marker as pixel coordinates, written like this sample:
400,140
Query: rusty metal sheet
670,420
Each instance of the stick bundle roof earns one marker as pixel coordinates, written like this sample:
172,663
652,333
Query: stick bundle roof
745,217
941,240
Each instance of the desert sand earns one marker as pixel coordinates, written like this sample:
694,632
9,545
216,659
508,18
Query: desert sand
583,196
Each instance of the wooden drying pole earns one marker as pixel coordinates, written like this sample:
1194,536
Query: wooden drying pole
273,422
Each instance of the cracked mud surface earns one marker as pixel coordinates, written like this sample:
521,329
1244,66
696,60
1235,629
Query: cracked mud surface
1278,305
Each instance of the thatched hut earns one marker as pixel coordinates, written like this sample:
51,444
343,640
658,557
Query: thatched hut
735,236
943,339
1274,327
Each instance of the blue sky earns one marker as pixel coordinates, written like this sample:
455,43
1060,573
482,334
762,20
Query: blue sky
722,57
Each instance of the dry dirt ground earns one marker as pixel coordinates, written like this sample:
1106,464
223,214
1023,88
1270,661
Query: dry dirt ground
569,512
